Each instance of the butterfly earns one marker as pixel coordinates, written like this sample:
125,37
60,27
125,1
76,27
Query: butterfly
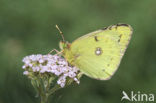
98,54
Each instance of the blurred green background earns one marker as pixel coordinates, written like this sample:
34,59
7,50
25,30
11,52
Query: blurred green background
28,27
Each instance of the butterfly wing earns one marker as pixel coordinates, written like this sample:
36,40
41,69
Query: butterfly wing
124,32
98,54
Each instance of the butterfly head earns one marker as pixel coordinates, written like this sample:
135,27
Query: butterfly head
64,45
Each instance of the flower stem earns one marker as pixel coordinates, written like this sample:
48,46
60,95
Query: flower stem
44,98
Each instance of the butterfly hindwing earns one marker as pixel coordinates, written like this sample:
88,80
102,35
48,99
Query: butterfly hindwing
97,59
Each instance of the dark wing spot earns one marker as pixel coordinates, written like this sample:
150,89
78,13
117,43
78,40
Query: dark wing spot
103,70
104,28
96,39
119,38
108,65
116,27
122,25
110,28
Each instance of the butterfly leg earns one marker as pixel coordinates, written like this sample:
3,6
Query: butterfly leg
55,50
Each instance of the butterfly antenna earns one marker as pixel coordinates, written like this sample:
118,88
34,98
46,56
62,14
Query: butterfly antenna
60,33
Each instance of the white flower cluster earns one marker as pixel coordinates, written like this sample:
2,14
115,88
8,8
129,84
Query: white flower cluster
50,64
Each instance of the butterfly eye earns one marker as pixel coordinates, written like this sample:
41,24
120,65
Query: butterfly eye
98,51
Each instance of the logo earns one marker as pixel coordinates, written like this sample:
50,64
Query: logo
137,97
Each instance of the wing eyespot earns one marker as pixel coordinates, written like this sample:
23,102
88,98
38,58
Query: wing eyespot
98,51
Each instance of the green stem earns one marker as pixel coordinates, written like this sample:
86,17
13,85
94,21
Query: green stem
52,90
44,98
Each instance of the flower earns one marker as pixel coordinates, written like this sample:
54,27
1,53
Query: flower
25,73
50,64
